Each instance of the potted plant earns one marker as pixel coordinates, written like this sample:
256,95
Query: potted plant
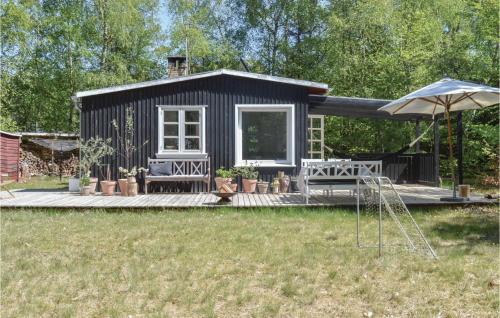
234,176
122,182
93,184
130,180
127,148
85,185
249,175
108,186
262,186
92,152
222,176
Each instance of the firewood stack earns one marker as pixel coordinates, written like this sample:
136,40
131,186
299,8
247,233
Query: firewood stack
70,166
38,167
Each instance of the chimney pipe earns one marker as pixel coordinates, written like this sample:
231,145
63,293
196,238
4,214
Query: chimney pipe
177,66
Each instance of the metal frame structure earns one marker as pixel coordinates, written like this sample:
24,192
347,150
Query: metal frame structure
382,190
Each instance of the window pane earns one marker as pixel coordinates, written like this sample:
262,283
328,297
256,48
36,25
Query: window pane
316,134
170,116
192,143
316,155
192,116
264,135
316,146
192,130
170,130
315,122
171,143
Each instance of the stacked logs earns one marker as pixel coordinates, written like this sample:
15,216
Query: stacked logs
32,165
69,166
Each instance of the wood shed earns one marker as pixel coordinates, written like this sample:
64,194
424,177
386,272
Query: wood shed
9,155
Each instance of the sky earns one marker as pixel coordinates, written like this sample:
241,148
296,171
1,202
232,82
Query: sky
165,18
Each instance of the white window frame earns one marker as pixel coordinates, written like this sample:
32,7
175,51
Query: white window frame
289,109
181,152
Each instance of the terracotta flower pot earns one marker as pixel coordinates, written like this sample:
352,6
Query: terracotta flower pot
234,187
249,185
85,190
123,186
131,180
93,185
132,189
220,181
263,186
108,187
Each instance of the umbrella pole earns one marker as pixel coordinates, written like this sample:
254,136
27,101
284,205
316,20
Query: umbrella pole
450,149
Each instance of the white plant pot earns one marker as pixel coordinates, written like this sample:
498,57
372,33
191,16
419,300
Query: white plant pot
74,184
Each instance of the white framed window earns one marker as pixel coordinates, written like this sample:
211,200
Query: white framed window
181,131
316,137
265,135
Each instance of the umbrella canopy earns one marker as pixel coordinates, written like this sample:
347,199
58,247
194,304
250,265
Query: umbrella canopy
445,96
442,96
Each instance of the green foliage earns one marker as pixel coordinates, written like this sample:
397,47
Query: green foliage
224,173
8,124
92,152
481,144
367,48
248,172
52,49
85,180
132,172
210,32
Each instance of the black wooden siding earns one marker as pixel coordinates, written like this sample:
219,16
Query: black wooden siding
219,93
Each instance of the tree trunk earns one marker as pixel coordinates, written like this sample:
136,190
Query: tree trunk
72,85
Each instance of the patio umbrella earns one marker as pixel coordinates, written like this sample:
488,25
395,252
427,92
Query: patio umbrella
445,96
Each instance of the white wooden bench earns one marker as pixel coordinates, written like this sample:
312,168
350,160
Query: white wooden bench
183,170
335,175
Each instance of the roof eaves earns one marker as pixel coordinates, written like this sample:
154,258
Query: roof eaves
9,133
119,88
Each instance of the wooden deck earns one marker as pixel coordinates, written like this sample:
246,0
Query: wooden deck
412,195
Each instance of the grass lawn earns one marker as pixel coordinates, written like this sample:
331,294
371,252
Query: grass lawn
41,182
233,263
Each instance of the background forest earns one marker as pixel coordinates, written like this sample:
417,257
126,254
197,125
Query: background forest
365,48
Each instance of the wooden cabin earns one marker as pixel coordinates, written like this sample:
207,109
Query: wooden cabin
234,118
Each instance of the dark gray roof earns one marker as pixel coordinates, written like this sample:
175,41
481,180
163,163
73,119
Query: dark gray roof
314,87
355,107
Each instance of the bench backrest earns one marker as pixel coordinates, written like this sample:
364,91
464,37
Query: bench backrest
186,167
342,170
304,162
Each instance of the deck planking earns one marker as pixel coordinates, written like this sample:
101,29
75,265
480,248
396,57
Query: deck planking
411,195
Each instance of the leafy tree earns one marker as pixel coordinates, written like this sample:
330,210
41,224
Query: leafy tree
365,48
7,124
51,49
